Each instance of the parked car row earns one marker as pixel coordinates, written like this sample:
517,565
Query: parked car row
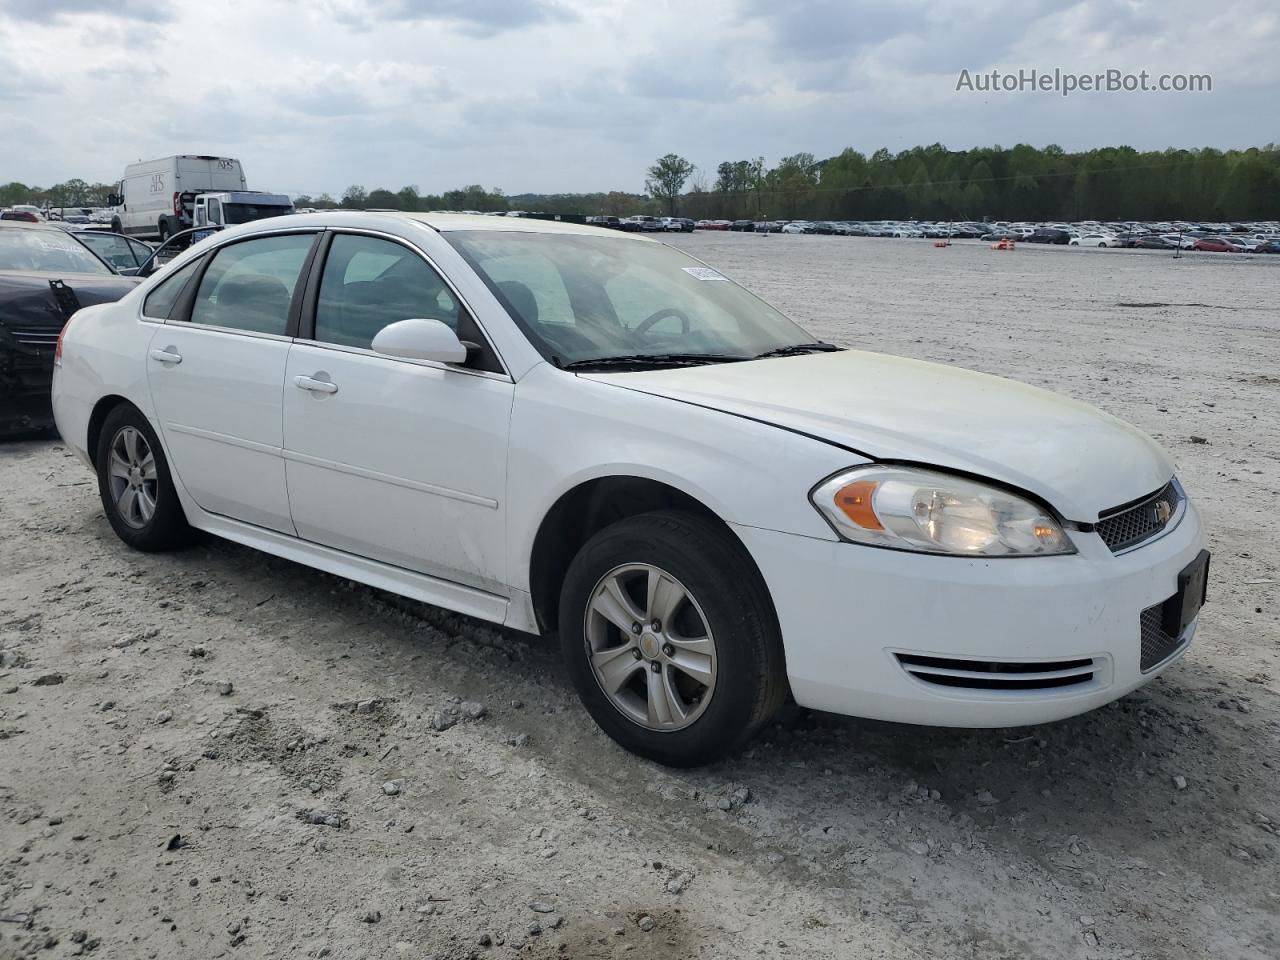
1252,237
30,213
644,224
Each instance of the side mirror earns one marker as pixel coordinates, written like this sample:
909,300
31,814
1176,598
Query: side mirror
114,200
420,340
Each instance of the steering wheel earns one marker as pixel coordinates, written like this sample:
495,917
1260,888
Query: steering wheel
647,323
567,341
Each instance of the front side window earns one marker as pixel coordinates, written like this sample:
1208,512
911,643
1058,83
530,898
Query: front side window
141,252
111,248
250,284
582,299
368,283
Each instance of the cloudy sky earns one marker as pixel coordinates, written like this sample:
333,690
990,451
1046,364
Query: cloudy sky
569,95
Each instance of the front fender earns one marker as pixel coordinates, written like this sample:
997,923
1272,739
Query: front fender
567,430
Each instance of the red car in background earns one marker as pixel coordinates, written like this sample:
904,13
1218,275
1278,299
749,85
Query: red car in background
1218,245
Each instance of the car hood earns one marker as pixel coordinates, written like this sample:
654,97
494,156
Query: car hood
26,299
1077,458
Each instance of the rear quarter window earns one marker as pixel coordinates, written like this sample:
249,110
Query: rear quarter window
160,302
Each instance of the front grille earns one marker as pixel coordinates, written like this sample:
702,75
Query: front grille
1132,524
35,336
1157,645
998,675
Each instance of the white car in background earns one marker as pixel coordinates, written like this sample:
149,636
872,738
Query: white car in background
797,226
1094,240
578,431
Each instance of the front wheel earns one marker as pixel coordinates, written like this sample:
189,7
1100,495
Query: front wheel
134,483
669,635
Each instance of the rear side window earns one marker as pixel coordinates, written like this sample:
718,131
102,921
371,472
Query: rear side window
161,301
249,285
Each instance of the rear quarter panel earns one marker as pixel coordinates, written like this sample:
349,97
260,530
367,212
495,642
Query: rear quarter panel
104,354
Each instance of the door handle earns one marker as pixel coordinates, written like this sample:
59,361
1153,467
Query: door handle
315,386
166,356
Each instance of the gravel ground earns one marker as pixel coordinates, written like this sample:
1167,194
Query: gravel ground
219,754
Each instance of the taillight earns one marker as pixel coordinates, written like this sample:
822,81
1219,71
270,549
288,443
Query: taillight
177,204
57,350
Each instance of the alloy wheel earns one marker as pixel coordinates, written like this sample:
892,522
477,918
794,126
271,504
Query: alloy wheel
650,647
131,473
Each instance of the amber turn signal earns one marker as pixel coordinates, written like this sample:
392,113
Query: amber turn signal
854,502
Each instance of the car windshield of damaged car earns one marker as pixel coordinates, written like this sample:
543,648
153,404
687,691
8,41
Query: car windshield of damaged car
603,303
46,251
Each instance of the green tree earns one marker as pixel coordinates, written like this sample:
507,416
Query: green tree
667,178
381,199
409,198
355,197
14,192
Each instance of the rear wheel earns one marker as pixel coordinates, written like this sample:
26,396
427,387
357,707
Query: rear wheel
668,633
134,483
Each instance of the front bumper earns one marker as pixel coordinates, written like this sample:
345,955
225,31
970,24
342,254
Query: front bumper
848,612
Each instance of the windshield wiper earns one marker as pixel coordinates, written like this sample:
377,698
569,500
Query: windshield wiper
796,349
652,359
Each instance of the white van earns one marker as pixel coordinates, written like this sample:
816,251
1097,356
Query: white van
155,197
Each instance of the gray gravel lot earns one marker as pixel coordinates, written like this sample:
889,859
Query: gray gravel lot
219,754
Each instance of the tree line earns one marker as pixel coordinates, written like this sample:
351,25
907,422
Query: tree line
923,183
997,183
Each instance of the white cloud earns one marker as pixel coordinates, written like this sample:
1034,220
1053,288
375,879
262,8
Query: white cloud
557,95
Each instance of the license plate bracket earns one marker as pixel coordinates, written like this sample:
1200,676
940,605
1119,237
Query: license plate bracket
1184,606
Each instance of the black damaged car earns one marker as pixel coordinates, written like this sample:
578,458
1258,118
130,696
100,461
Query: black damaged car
46,275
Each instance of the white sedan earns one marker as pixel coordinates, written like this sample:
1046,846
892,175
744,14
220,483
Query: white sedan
576,431
1094,240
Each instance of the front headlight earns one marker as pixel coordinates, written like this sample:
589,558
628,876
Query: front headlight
933,512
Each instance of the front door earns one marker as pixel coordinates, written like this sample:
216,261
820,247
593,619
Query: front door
217,373
400,461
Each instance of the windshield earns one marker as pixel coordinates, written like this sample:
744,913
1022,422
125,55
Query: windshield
248,212
581,298
46,251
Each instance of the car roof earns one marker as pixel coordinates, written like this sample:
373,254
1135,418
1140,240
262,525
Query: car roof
451,222
440,222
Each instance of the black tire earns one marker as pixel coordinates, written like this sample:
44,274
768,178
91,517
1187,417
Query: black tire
165,233
167,526
117,226
717,572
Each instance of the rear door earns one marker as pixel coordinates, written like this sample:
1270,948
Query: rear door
216,371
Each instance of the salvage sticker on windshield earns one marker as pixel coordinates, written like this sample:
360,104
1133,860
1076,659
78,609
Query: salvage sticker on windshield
704,273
